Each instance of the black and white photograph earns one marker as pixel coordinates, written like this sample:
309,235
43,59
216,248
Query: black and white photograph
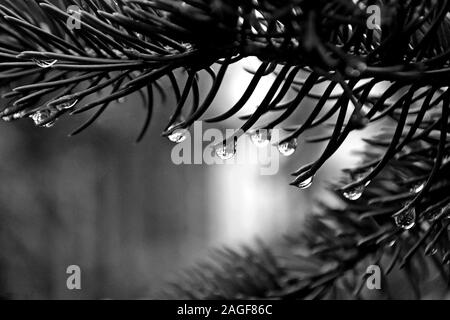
247,152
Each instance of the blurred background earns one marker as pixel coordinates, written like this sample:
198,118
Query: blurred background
128,216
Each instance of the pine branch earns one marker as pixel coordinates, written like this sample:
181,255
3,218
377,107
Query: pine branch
130,46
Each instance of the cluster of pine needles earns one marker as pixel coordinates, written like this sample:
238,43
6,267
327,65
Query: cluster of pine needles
57,55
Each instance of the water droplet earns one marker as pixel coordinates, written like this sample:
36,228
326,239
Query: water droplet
288,148
261,137
41,116
42,63
177,136
406,220
354,193
7,118
305,184
226,151
122,100
66,105
417,188
19,115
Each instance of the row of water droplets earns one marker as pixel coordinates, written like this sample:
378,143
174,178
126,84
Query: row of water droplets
260,138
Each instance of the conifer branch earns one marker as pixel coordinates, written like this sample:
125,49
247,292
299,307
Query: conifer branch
129,46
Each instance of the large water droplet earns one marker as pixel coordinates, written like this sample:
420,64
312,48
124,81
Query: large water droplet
305,184
177,136
66,105
261,137
406,220
44,63
417,188
354,193
288,148
41,116
226,151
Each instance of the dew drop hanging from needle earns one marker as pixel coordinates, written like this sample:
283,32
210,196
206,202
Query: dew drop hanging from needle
177,135
41,116
288,148
355,193
261,137
305,184
406,220
226,150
